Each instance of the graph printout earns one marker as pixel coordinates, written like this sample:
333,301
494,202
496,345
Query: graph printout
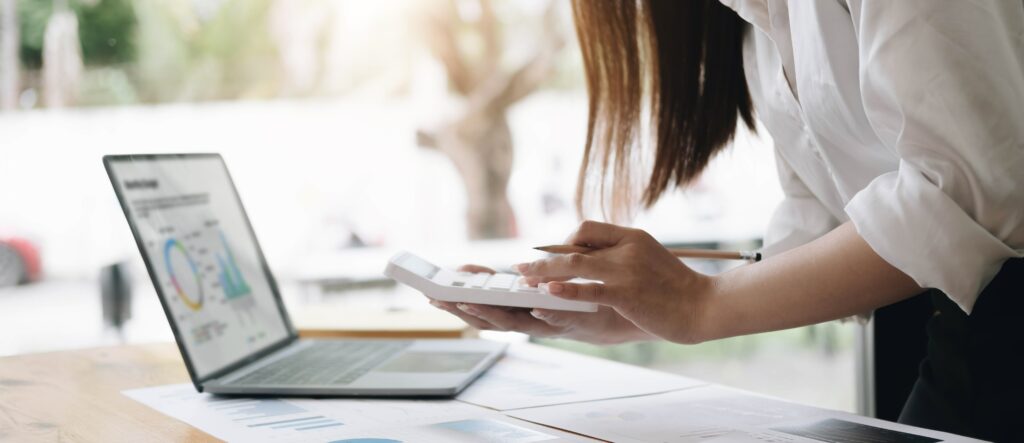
206,263
341,420
713,414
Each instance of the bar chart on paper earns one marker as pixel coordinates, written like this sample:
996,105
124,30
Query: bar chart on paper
243,419
303,419
271,414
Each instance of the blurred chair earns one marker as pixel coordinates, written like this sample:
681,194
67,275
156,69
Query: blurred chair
116,296
889,351
19,262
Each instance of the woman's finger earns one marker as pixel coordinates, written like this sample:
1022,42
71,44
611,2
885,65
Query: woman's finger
560,319
589,292
534,281
476,268
471,320
580,265
598,235
508,319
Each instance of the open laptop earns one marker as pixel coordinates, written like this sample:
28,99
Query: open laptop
225,308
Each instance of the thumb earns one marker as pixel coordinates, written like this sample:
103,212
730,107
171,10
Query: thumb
551,317
598,235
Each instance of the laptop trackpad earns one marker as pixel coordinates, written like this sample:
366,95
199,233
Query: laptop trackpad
443,362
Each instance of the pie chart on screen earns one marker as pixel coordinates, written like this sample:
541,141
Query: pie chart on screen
184,274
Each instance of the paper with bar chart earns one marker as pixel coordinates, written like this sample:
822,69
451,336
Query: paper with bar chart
340,420
581,391
201,250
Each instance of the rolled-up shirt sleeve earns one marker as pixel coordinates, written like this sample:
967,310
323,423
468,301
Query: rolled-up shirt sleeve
799,218
943,86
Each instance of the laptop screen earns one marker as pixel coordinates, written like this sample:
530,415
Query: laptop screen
202,255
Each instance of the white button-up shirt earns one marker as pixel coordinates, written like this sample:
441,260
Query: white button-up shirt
905,117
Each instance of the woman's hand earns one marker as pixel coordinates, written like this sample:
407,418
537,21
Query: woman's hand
605,326
640,280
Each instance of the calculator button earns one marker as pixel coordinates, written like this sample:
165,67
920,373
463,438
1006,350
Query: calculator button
501,281
478,280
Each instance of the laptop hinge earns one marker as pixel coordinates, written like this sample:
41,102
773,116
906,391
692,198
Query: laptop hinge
288,341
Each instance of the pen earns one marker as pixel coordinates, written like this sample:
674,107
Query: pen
689,253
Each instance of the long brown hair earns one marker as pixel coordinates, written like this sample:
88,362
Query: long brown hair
685,57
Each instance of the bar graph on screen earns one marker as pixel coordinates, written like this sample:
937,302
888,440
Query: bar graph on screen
230,277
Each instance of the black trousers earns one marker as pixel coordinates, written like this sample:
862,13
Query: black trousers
972,380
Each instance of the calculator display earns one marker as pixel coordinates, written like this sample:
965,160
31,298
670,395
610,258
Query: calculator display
419,266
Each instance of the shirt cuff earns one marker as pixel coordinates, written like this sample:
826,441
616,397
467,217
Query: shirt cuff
796,221
920,230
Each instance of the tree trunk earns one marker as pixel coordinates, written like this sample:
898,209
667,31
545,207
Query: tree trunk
479,145
62,59
479,140
489,212
10,66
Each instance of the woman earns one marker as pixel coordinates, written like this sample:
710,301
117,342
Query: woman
900,148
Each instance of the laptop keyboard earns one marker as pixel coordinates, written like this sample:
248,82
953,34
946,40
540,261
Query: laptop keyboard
327,363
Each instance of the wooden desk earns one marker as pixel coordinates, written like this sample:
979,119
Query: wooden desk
346,321
76,395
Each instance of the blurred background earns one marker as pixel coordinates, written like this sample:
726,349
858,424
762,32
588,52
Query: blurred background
453,128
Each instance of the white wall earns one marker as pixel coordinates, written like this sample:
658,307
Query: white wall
309,169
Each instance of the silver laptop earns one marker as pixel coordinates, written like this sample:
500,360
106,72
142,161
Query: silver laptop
225,309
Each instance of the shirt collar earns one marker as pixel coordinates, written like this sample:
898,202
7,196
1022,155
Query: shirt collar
755,12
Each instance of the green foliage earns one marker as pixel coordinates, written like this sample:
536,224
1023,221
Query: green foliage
32,17
106,29
223,53
162,50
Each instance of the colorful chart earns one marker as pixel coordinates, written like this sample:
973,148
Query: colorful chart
367,440
488,430
193,303
231,279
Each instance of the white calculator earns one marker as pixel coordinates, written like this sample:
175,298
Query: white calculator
480,288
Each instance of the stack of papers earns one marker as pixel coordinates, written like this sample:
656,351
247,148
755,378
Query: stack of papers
339,420
719,414
535,394
530,375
